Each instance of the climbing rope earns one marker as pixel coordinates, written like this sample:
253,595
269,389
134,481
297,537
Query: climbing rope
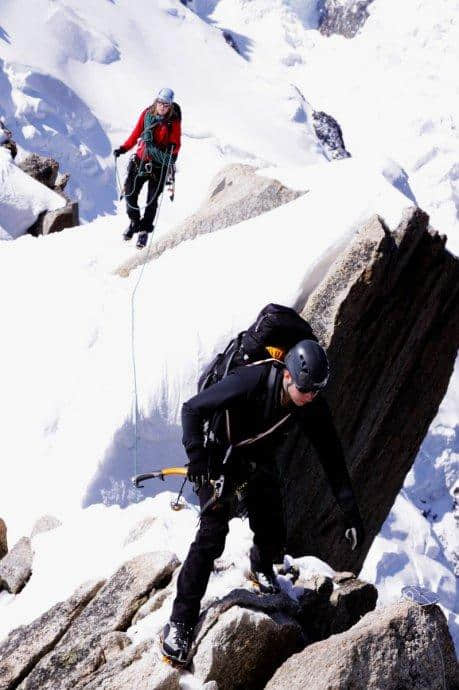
135,403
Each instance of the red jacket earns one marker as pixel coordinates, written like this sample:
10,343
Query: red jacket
163,135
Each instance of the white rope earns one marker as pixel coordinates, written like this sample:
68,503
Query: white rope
135,404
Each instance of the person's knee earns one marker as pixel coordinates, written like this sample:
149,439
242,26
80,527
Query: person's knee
210,540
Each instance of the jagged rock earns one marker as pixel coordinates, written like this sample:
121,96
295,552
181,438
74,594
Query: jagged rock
237,193
231,41
45,524
55,221
388,313
41,168
138,667
82,650
350,601
343,17
259,642
26,645
3,539
157,599
330,135
16,566
61,182
401,646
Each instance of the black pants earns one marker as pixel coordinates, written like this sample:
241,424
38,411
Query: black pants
265,513
133,185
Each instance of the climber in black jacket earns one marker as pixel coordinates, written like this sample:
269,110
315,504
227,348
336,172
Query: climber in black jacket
250,401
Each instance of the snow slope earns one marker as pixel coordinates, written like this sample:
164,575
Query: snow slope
392,87
77,92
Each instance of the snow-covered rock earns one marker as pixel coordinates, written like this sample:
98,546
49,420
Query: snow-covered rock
22,199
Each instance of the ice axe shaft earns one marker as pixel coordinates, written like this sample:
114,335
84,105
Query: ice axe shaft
158,474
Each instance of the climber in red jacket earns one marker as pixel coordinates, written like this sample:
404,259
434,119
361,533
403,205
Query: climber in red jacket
158,133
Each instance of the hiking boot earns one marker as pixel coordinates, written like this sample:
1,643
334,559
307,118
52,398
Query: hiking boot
142,240
128,234
266,582
176,640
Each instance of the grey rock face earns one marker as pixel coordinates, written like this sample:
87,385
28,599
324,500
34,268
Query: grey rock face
26,645
45,524
237,193
401,646
89,641
3,539
16,566
41,168
330,135
343,17
55,221
388,313
139,667
257,641
326,610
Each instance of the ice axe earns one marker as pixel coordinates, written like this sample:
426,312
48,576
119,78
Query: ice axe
162,474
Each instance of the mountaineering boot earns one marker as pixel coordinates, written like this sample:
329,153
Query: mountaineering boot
142,240
128,234
266,582
176,640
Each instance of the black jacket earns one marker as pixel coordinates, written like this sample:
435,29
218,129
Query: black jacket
252,395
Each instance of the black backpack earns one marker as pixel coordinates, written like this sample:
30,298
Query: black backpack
276,327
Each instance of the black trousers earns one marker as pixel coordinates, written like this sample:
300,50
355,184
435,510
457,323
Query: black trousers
132,187
264,503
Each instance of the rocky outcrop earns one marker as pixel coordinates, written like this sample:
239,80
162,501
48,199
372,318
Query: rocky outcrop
41,168
327,610
46,170
388,313
16,566
259,641
26,645
97,633
87,641
344,17
330,135
45,524
3,539
237,193
55,221
402,646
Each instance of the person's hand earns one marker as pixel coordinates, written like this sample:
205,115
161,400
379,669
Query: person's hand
355,535
198,473
120,150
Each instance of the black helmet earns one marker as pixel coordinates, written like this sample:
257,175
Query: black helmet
307,364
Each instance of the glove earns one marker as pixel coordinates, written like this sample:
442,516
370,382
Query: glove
355,535
117,152
198,473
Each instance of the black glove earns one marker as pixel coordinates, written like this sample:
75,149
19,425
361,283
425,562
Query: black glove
117,152
355,534
198,473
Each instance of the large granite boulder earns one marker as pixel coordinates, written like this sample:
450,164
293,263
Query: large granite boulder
26,645
97,634
16,566
344,17
388,313
402,646
237,193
